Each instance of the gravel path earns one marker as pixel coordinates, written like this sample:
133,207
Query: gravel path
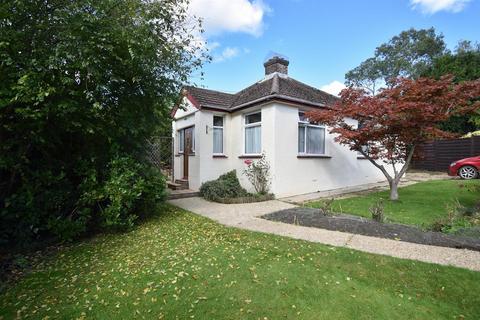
246,216
311,217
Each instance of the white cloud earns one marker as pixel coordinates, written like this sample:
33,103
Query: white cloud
226,54
230,15
333,87
433,6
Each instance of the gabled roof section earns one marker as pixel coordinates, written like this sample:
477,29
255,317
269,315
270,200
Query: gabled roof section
292,88
254,92
211,98
275,86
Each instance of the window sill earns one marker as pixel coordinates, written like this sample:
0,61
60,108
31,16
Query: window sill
314,156
251,156
181,154
219,156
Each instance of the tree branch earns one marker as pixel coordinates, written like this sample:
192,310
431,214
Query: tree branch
407,162
382,168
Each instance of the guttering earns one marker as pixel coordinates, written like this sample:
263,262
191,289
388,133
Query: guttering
265,99
278,97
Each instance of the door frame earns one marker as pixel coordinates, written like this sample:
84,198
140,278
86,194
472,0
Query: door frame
188,138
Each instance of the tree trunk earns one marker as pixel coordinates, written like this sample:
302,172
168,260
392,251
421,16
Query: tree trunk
394,190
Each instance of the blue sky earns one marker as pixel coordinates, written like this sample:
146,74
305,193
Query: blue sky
322,39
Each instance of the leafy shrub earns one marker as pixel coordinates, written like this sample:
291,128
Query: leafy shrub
76,102
131,191
226,186
43,210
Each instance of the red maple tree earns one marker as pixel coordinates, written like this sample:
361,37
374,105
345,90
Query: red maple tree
396,120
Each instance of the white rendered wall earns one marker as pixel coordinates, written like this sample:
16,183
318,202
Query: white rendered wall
294,175
290,175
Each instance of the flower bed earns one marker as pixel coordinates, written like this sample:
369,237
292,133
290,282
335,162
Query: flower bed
309,217
247,199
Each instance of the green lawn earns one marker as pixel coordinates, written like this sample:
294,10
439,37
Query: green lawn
181,266
419,204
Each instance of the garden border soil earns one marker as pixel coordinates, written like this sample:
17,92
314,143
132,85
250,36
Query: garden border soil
247,199
310,217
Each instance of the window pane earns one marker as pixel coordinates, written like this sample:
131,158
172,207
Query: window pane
180,140
193,139
217,140
253,118
301,139
315,140
217,121
253,140
301,116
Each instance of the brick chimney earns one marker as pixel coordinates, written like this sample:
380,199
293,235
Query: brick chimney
276,64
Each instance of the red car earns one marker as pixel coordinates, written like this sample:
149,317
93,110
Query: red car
467,168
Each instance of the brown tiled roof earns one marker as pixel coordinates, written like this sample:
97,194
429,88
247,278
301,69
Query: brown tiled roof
275,87
211,98
254,92
296,89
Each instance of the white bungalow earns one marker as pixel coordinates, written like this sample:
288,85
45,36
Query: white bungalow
214,132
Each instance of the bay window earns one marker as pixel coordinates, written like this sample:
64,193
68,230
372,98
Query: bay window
311,136
253,133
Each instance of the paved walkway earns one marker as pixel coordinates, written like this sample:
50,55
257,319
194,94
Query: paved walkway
246,216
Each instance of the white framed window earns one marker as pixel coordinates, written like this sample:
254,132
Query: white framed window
218,135
253,133
311,136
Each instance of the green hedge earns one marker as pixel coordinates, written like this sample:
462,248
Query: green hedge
83,85
226,186
227,189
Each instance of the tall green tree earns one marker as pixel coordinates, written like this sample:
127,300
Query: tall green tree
407,54
464,65
82,84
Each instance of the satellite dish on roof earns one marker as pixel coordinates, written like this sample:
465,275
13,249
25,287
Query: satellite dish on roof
273,54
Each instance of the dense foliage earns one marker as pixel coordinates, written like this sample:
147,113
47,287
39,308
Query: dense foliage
407,54
420,53
464,65
397,119
226,186
82,85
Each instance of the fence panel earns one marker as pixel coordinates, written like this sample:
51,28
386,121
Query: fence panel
159,152
437,155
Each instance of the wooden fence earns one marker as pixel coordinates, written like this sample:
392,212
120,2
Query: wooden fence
437,155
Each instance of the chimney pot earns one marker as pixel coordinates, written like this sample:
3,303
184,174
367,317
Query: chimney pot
276,64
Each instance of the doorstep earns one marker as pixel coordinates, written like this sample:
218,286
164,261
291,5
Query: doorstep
181,194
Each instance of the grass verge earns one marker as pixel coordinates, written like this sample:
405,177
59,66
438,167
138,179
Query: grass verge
420,204
179,265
